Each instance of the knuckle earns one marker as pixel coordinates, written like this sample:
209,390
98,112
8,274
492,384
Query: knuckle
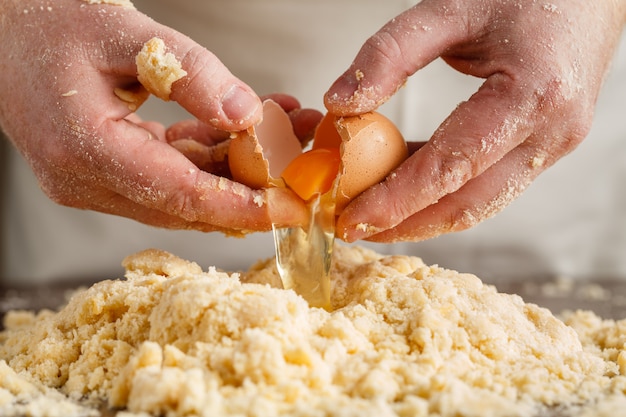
453,169
463,219
401,208
186,198
577,132
558,102
385,44
181,204
385,47
199,63
467,212
556,95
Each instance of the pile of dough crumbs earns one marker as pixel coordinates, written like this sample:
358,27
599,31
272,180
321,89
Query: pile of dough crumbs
403,339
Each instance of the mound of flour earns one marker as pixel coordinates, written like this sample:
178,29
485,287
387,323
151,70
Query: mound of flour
403,339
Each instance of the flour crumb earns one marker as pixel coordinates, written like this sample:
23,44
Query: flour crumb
259,200
552,8
538,161
222,184
361,227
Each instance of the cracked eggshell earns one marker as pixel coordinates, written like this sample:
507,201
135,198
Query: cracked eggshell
371,146
258,156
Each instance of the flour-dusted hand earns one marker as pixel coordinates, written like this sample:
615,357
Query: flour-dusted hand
68,91
543,63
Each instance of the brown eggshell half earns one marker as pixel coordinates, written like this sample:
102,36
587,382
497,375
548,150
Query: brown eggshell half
371,148
257,156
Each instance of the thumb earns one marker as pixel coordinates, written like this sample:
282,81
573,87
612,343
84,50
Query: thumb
405,44
201,84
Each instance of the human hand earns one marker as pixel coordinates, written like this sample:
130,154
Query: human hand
543,64
68,89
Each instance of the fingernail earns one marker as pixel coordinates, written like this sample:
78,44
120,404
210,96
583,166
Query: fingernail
238,104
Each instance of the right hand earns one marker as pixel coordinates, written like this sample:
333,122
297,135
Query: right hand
543,65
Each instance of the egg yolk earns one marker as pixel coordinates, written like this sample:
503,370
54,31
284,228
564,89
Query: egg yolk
312,172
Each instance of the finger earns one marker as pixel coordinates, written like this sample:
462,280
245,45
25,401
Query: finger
67,187
196,130
155,175
209,91
304,122
213,159
478,200
405,44
118,205
156,128
204,146
462,148
206,88
110,203
286,101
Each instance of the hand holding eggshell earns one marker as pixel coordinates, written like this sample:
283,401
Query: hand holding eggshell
349,155
72,116
542,76
371,147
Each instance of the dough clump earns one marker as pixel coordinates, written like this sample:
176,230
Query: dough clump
158,69
403,339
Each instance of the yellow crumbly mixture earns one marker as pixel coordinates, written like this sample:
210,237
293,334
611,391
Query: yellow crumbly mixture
403,339
158,69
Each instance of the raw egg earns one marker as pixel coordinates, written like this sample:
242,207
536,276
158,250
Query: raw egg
348,155
370,146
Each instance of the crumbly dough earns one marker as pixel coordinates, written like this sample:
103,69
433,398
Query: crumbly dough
403,339
157,69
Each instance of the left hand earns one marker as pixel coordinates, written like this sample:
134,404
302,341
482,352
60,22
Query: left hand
543,66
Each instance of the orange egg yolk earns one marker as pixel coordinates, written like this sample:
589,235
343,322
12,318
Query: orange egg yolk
312,172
